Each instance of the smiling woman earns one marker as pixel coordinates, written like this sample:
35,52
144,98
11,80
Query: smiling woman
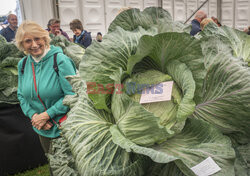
28,41
40,88
34,45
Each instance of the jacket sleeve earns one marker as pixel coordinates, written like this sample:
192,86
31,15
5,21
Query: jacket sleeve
66,67
87,41
65,35
26,107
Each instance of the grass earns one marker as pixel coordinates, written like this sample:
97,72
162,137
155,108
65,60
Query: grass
40,171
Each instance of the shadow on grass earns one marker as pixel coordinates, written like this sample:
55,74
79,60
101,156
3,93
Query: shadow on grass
39,171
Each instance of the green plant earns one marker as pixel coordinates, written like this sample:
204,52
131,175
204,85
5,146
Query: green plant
112,134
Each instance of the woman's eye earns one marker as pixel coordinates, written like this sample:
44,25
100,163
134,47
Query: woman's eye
28,41
37,39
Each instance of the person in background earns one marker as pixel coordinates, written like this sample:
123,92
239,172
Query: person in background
41,89
54,28
199,16
205,21
10,31
99,37
247,30
82,37
216,21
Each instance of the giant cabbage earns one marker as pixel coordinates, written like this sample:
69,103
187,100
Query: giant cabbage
110,133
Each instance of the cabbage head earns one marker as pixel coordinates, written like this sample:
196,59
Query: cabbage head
110,133
9,58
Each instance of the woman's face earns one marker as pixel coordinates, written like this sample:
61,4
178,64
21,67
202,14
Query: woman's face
34,45
55,28
77,32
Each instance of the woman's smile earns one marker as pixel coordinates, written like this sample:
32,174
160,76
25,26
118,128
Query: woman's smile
34,45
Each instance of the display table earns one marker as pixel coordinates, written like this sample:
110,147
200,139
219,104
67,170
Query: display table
20,148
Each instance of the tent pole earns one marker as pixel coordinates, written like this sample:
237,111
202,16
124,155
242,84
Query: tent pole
196,11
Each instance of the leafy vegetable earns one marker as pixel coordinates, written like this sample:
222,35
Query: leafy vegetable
164,170
72,50
90,140
196,142
61,160
110,133
238,41
9,58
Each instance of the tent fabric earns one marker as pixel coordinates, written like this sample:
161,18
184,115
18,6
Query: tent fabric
20,148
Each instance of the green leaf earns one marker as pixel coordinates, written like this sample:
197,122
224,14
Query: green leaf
2,40
9,50
135,122
61,160
10,62
169,169
226,96
131,19
75,52
89,138
102,59
72,50
165,47
195,143
242,162
146,127
238,41
8,85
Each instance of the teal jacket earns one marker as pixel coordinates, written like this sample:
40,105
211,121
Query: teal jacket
51,87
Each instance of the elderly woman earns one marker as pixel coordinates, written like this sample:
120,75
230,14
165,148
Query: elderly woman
41,81
82,37
54,28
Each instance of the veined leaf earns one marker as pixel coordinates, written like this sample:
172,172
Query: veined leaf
89,138
144,127
101,60
226,102
131,19
169,169
237,40
61,161
195,143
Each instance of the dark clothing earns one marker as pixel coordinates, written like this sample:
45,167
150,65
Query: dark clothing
196,28
46,144
20,148
8,33
63,33
85,40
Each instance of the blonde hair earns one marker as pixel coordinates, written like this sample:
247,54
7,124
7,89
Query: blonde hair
33,29
205,21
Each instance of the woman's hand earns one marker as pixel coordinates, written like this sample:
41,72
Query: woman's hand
58,32
47,125
39,120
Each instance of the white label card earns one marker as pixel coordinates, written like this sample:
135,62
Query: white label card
206,167
159,92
